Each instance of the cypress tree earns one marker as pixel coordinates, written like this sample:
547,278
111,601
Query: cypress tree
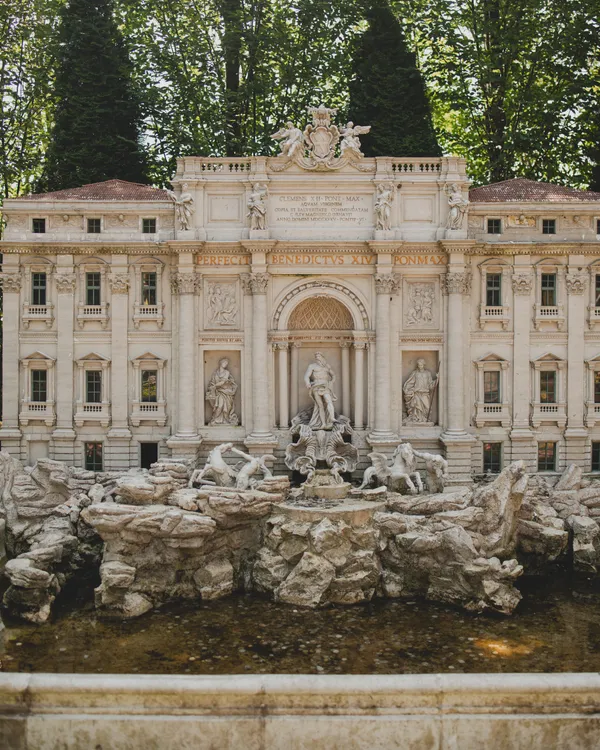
387,90
96,130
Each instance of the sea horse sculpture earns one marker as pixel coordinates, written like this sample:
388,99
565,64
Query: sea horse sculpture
401,472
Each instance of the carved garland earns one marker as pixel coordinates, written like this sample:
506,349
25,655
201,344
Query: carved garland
456,282
320,284
119,283
65,282
522,283
10,282
576,283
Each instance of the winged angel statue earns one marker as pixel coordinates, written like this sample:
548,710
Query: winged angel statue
315,148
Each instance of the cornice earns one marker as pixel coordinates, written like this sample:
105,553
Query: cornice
84,248
536,248
258,246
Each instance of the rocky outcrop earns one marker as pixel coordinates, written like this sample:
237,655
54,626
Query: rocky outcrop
198,546
315,556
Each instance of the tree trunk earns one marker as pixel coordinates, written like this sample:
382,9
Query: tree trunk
231,11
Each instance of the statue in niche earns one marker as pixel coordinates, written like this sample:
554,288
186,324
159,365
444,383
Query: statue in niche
383,206
184,207
220,394
222,304
292,140
257,206
420,300
350,139
319,378
418,393
458,207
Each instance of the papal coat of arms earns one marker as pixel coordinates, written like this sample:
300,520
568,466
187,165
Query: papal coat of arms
315,148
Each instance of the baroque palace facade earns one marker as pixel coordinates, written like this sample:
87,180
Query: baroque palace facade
143,323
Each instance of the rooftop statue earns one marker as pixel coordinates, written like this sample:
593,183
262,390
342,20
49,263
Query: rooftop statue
316,147
184,207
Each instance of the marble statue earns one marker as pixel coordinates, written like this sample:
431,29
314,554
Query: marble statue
254,464
184,207
437,470
220,394
216,469
383,206
418,390
401,472
319,378
420,304
292,140
257,207
350,141
458,207
222,304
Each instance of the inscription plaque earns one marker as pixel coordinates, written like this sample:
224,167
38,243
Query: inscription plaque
344,209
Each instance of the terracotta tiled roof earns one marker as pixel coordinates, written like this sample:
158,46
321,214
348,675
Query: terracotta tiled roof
110,190
529,191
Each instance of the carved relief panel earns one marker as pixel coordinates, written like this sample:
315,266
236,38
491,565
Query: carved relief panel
420,305
221,304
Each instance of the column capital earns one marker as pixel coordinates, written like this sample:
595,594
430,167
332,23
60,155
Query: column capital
281,346
360,344
576,283
184,283
456,282
522,283
345,344
11,282
255,283
119,283
386,283
65,282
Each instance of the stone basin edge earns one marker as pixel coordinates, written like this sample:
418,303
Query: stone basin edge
509,693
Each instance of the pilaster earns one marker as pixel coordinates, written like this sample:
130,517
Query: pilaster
576,434
63,437
116,452
11,282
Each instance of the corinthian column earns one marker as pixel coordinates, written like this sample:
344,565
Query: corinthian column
185,442
261,437
385,286
457,286
10,434
284,409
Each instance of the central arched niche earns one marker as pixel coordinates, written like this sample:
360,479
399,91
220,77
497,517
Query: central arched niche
321,314
320,323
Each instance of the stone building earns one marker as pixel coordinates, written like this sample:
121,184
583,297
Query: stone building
122,301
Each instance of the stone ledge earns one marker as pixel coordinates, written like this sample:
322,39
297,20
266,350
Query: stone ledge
273,712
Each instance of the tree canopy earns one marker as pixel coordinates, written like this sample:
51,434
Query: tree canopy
513,85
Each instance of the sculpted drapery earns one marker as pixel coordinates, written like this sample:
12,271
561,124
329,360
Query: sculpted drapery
221,394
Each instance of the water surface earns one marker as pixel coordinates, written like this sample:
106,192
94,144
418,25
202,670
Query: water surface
556,628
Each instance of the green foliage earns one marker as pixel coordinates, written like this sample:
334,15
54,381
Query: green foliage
387,91
95,135
510,82
27,30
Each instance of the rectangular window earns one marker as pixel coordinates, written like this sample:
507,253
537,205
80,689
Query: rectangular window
492,458
39,385
494,226
94,226
597,290
149,226
93,456
493,289
92,289
546,456
38,226
548,226
597,226
93,386
548,387
491,387
597,387
595,456
149,386
38,288
149,288
548,290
